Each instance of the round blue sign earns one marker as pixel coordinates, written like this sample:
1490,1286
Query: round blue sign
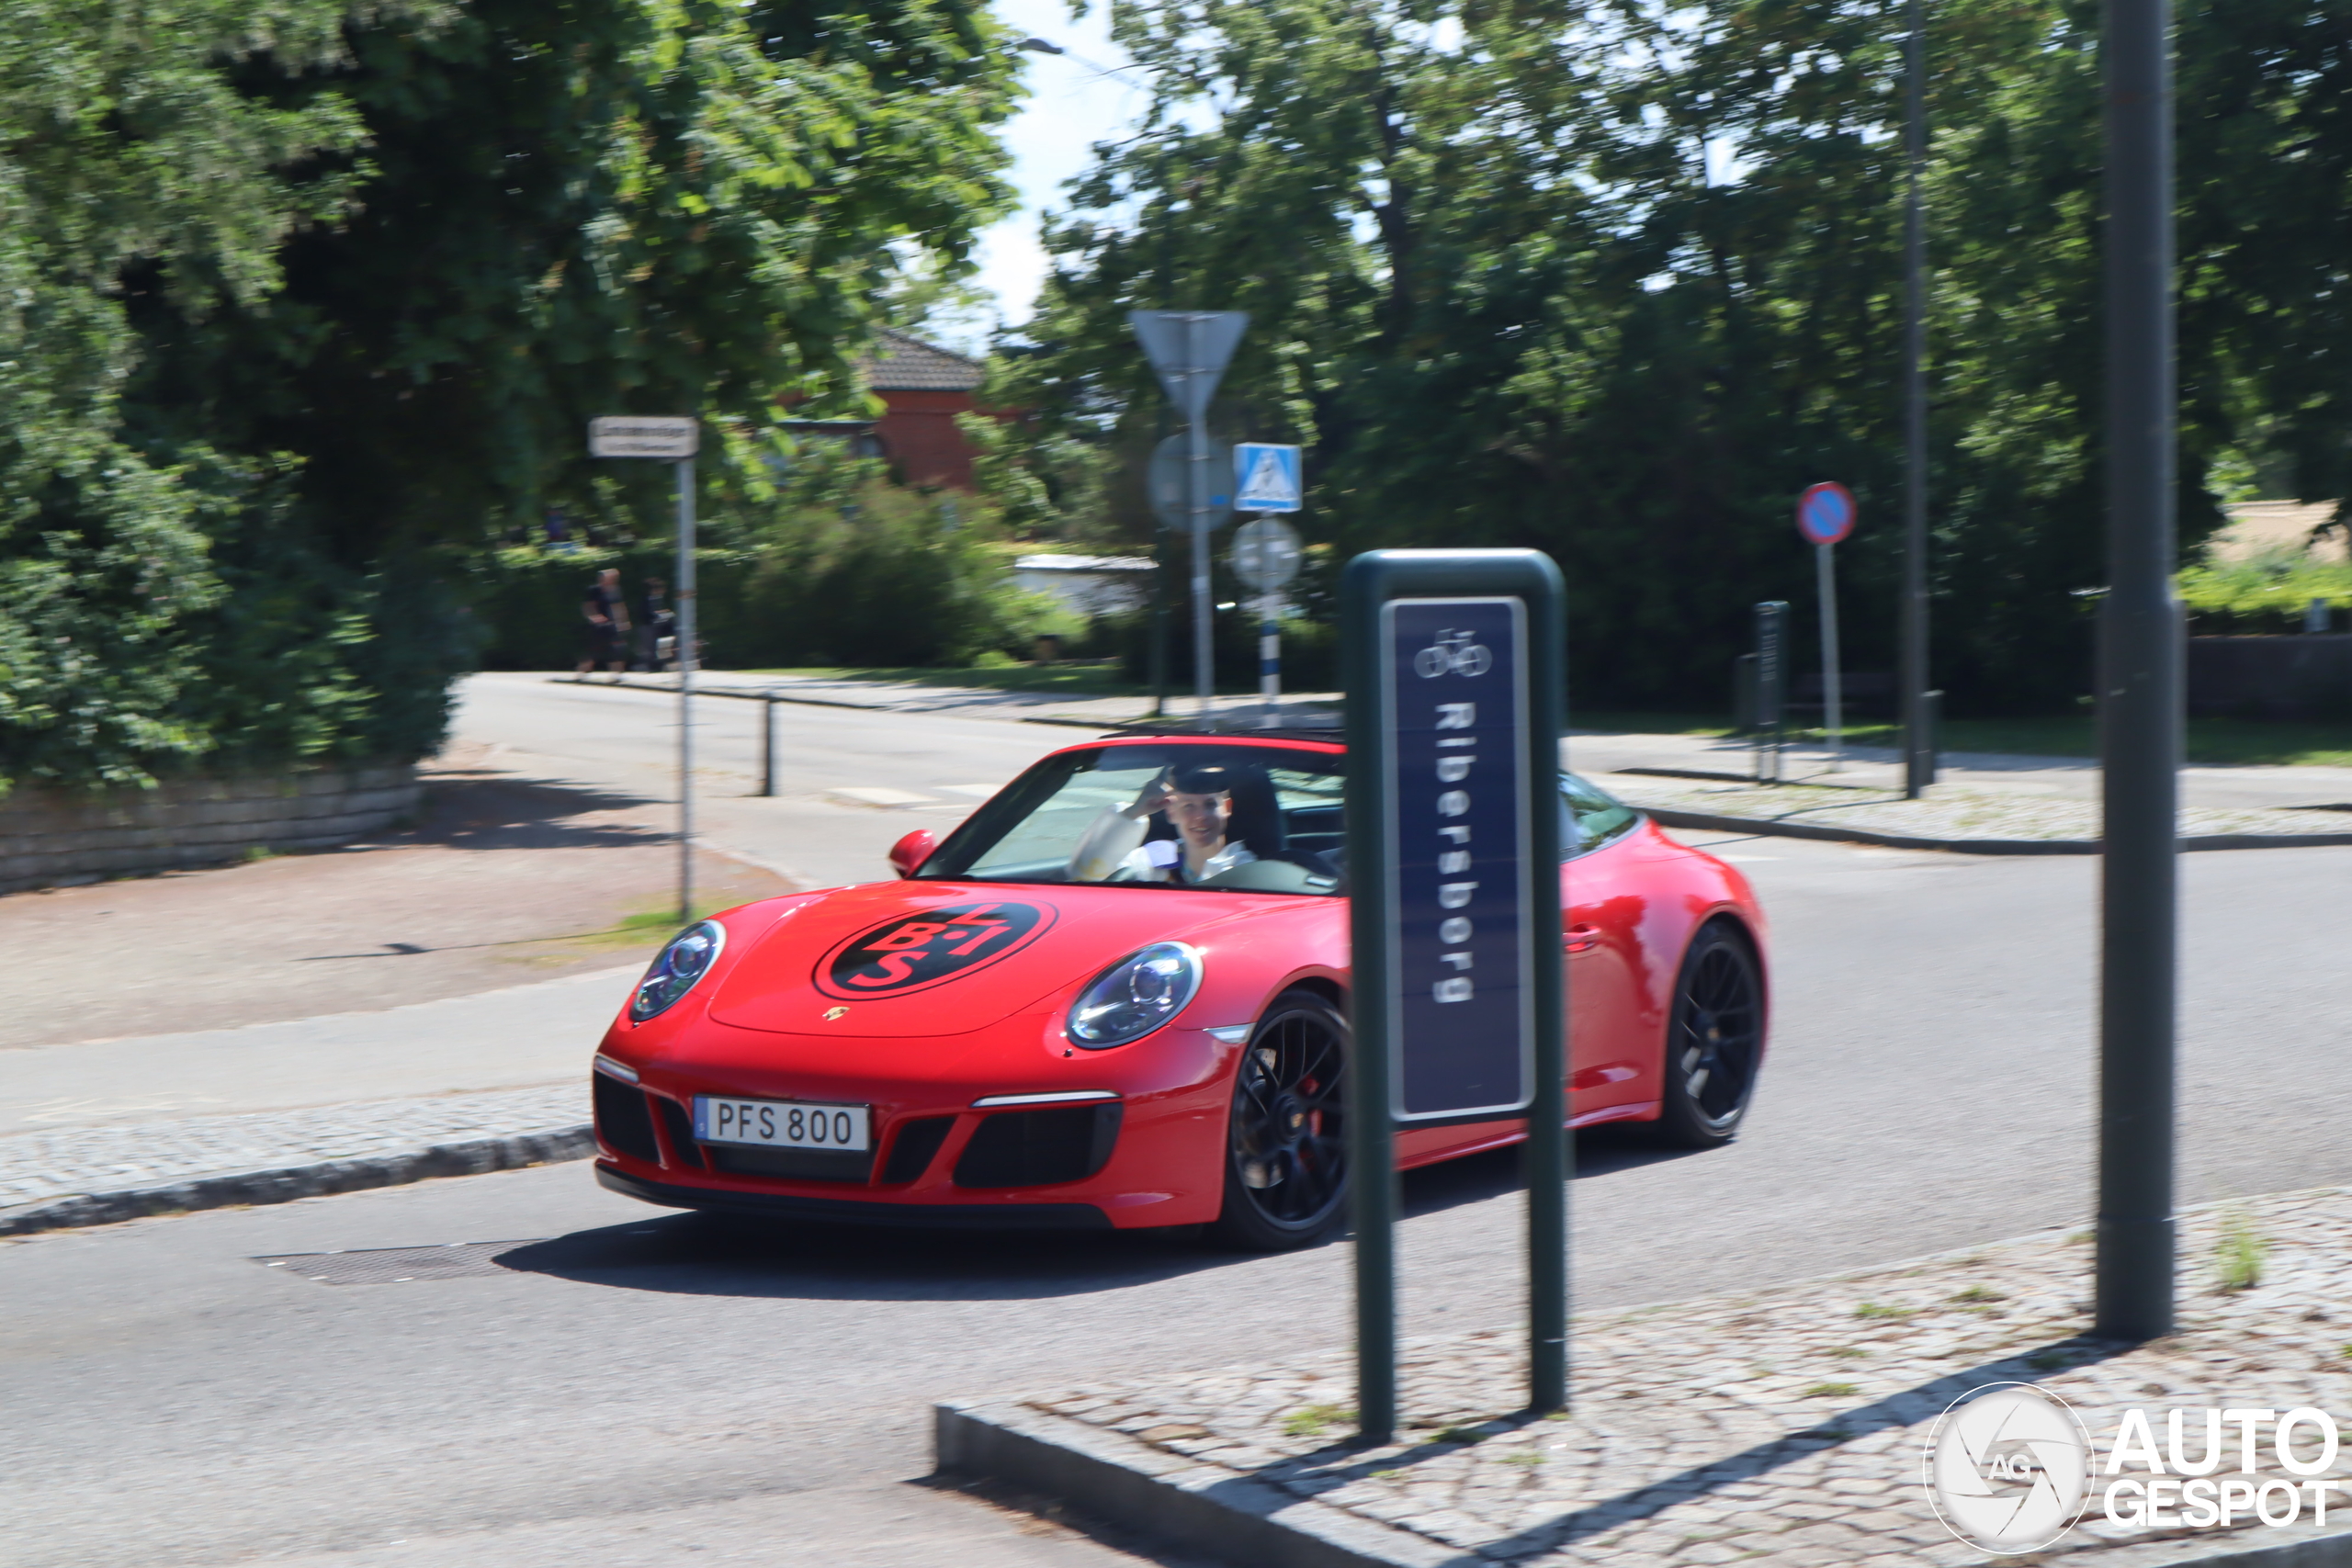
1826,513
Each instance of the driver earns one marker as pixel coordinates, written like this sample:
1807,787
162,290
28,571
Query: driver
1197,800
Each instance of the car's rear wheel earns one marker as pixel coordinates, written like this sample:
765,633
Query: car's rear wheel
1286,1143
1714,1041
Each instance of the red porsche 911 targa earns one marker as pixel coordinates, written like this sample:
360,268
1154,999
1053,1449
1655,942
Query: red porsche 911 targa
1117,997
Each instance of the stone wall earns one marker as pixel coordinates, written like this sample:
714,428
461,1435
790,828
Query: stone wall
57,838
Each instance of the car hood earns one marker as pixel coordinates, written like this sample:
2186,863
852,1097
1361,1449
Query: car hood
934,958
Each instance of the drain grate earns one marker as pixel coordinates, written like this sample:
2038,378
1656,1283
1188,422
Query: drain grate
398,1265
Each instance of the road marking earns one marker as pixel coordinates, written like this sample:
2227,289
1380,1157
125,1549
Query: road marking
879,797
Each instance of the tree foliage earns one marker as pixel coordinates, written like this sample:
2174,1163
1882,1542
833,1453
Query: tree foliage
1618,280
312,299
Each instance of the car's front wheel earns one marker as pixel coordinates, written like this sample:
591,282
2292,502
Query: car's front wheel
1714,1042
1286,1143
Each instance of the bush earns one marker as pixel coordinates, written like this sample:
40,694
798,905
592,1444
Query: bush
836,565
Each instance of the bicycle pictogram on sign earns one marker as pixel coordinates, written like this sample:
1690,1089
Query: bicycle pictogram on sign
1453,653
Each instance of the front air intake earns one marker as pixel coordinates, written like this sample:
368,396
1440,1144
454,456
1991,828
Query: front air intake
680,1128
622,1120
1039,1148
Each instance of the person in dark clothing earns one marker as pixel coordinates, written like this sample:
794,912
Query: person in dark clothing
606,610
656,623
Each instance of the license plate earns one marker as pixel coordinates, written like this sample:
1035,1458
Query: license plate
780,1123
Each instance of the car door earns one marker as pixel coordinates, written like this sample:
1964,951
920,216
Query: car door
1602,905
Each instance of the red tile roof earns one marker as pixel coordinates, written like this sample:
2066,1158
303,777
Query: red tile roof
900,362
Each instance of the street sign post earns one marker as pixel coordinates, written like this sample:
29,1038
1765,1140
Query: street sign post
1771,685
1189,351
1169,481
1265,556
1453,661
675,440
1826,515
2141,679
1266,478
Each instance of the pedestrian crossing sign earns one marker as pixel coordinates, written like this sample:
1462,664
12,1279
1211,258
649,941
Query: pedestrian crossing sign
1265,477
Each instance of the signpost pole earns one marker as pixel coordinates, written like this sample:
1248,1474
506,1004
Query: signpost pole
2140,679
1453,661
767,747
686,636
1196,443
1833,695
1270,655
1771,687
1918,744
674,439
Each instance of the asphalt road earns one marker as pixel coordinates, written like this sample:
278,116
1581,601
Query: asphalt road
635,1385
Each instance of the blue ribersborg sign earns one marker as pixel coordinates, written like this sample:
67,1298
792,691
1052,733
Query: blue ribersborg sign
1462,947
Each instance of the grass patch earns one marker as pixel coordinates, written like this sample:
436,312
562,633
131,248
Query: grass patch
1832,1390
2046,1360
1977,1293
2216,740
2238,1256
1528,1457
1847,1353
1465,1436
1058,680
1631,722
1310,1421
1876,1309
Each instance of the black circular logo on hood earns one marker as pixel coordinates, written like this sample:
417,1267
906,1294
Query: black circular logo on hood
912,952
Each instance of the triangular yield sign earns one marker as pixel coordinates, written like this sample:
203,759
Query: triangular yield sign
1190,350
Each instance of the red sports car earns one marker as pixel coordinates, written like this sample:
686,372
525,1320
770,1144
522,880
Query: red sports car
1116,997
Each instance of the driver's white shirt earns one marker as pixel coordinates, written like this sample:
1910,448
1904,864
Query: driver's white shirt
1139,865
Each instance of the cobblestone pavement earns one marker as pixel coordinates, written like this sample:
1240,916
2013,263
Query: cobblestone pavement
1787,1428
1948,811
38,1167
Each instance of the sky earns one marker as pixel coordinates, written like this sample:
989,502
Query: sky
1070,106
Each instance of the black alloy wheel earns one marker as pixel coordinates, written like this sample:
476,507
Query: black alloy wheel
1286,1145
1714,1041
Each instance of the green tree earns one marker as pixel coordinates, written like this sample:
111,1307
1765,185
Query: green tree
321,296
1618,281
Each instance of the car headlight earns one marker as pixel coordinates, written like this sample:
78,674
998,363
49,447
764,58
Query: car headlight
1134,995
687,959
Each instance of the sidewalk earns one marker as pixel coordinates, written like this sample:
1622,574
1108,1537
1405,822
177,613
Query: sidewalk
1985,802
1784,1429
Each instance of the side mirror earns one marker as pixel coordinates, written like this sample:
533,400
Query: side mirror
910,851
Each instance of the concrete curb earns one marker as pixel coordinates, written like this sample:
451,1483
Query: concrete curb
1196,1506
475,1157
1714,823
1205,1507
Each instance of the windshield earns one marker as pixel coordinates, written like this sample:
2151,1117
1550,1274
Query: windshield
1259,818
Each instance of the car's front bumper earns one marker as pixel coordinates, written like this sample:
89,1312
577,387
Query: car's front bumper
859,1211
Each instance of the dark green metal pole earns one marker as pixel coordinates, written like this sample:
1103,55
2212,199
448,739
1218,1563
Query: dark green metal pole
1372,1134
2140,688
1550,1148
1918,748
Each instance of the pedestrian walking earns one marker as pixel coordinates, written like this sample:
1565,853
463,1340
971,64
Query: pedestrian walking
605,611
657,625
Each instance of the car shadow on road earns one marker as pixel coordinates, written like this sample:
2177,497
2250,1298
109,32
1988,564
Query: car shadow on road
712,1254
